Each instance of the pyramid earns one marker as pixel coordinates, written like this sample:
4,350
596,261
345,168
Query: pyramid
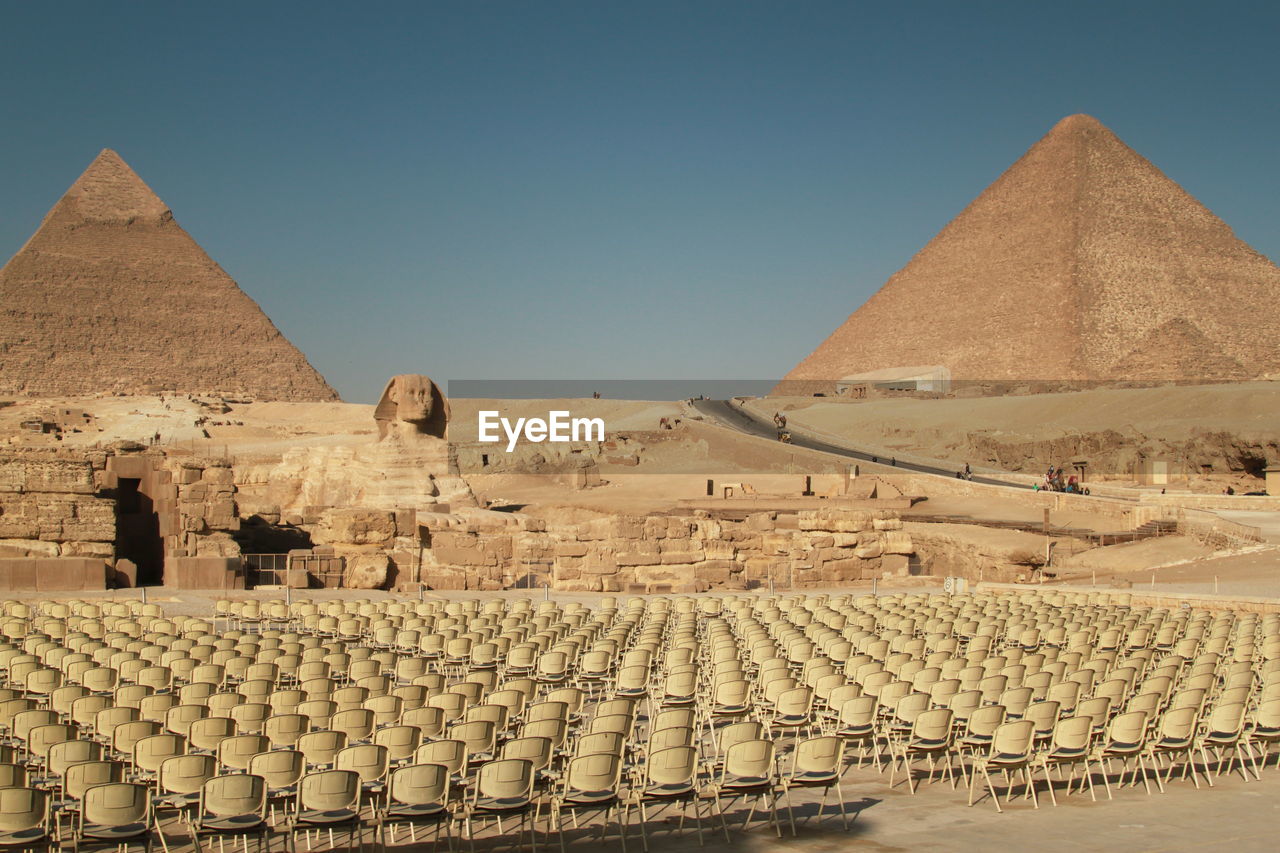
1082,262
111,295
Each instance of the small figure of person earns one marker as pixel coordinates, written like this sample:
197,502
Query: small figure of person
1230,490
968,472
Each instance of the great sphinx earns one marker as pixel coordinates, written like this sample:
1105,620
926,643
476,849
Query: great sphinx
412,406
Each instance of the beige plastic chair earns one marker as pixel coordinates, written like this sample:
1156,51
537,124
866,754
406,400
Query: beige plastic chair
591,784
416,795
24,818
327,801
452,754
670,778
115,813
232,806
1011,751
931,737
817,763
283,730
1125,740
749,771
503,788
370,761
430,721
235,753
1070,747
281,769
207,733
1224,733
356,723
251,717
401,742
83,775
63,755
150,752
1175,736
321,748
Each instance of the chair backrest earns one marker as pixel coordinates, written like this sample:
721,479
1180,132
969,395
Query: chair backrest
595,772
12,775
235,795
1073,734
1013,739
63,755
150,752
1128,728
450,753
401,741
329,790
536,750
186,774
740,732
419,784
818,755
753,757
235,752
281,768
116,804
509,779
370,760
23,809
84,775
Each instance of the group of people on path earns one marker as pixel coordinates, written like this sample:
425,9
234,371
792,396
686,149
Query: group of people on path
1057,479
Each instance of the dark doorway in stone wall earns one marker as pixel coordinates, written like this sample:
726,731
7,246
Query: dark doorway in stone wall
138,531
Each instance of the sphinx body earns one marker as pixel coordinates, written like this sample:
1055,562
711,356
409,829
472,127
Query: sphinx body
406,467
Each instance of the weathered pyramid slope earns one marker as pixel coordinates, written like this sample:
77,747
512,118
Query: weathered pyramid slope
111,295
1083,261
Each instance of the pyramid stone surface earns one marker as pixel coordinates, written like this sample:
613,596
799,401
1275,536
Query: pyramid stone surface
111,295
1083,261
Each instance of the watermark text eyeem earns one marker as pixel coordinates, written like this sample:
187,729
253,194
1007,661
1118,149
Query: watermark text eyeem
559,426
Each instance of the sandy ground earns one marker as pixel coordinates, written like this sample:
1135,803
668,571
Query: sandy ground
940,429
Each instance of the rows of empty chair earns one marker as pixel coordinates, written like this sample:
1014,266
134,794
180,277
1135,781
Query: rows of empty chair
381,720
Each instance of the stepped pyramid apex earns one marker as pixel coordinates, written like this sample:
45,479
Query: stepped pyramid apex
1082,262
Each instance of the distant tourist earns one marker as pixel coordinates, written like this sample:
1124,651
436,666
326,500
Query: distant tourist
1230,490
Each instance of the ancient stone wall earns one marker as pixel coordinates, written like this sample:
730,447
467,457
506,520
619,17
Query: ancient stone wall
49,506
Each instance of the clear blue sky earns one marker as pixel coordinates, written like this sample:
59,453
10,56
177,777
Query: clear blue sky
535,190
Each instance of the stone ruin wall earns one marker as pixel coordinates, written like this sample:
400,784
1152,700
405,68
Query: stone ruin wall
50,506
680,553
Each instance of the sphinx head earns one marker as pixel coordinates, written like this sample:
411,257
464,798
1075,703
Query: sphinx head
415,401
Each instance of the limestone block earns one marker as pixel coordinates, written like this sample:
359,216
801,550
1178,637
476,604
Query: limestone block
762,521
366,571
887,523
186,476
600,564
843,570
895,565
847,540
627,527
357,526
102,550
679,528
28,548
716,550
655,527
712,574
868,552
823,541
220,476
708,529
678,557
571,550
193,492
897,542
